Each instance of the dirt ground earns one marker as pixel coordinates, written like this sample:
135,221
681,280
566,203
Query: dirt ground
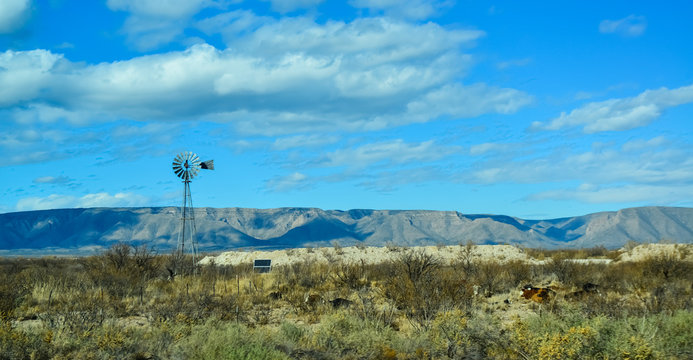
375,255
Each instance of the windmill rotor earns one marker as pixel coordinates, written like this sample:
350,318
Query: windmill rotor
186,165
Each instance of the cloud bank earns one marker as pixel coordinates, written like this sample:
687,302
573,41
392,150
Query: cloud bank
13,14
630,26
620,114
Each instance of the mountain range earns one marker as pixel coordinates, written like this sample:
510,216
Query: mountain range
84,231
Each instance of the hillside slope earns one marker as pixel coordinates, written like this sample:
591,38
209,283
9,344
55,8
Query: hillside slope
84,230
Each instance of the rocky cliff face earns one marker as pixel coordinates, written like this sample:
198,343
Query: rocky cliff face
84,230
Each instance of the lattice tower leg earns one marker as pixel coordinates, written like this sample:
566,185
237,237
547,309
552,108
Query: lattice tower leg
188,229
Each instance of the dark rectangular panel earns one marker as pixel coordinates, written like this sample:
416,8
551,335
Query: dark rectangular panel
263,263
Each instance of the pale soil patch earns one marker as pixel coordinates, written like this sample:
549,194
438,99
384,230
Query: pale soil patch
642,252
368,255
447,254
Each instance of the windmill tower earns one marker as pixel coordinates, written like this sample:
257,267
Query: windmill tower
186,166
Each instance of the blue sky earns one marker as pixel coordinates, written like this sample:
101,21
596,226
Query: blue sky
531,109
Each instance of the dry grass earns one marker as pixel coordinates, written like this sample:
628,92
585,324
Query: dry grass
433,302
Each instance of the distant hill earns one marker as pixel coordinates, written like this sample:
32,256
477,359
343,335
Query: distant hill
79,231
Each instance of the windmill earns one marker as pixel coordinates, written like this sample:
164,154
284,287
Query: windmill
186,166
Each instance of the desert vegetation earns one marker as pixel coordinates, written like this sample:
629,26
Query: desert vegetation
132,303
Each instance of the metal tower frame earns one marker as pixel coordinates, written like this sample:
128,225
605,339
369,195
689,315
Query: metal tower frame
186,166
187,216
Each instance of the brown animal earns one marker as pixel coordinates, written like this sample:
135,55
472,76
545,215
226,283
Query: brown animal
588,289
535,294
340,302
313,300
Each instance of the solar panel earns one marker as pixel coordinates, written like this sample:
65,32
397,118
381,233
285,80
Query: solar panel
262,265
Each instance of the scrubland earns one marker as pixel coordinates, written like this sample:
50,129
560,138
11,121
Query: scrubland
434,303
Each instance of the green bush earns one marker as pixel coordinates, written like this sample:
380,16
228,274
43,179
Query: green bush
222,340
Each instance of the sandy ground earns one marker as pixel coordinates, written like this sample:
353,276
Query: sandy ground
641,252
369,255
447,254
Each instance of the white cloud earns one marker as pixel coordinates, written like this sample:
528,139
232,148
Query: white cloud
513,63
90,200
413,9
303,141
621,114
630,26
386,153
386,181
653,161
277,77
648,194
364,41
305,77
640,144
469,101
153,23
24,74
13,14
286,6
171,9
284,183
52,180
485,148
653,170
37,113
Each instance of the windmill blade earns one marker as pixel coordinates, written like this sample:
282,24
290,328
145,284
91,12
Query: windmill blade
209,164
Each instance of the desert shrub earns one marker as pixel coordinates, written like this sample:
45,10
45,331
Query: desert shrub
518,274
368,310
448,334
12,293
292,332
391,246
669,297
548,337
16,344
570,336
563,269
437,289
342,336
466,262
492,278
677,334
412,307
415,285
219,340
337,247
594,252
351,276
416,264
450,290
666,267
306,274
